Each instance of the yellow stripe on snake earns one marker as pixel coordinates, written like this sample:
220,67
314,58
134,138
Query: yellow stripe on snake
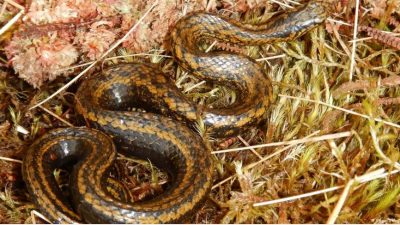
162,134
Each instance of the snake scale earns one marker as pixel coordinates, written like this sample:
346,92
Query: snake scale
161,133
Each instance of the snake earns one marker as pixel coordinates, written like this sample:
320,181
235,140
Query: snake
162,131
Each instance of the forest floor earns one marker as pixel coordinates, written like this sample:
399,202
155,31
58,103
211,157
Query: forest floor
328,151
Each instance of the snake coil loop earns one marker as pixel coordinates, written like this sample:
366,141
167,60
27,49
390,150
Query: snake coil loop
161,133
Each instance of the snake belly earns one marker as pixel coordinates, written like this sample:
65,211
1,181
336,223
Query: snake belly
161,134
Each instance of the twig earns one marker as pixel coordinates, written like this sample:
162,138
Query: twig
211,46
339,205
339,22
291,198
137,54
376,174
112,58
282,4
10,159
271,57
353,49
13,3
341,42
248,145
3,9
11,22
298,141
194,86
75,66
332,116
21,129
360,39
294,2
133,28
342,109
38,214
56,116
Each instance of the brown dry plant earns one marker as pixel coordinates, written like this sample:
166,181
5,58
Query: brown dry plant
329,82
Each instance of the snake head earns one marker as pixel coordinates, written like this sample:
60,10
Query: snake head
304,19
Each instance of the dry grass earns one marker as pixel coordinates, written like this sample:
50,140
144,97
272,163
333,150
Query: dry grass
328,154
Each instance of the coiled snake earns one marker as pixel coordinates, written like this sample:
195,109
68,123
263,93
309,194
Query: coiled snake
161,134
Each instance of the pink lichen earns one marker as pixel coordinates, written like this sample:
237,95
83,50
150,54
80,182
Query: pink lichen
59,33
97,40
41,62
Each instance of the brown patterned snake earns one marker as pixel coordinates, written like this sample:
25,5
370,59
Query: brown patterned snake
161,134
